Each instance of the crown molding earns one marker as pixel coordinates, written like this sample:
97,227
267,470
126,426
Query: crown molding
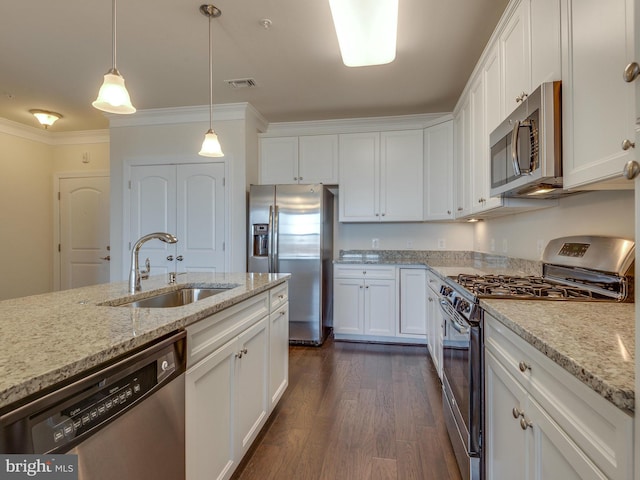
195,114
52,138
357,125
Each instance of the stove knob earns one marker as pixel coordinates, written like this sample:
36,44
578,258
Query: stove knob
446,291
463,306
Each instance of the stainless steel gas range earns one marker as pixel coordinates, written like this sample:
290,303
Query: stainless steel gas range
577,268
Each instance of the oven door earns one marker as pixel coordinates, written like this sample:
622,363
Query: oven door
462,389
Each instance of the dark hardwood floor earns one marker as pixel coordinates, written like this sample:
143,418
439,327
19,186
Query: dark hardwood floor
355,411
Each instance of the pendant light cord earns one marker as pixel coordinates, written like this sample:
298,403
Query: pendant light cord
210,77
113,34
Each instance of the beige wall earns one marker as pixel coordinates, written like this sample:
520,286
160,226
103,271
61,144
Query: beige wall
27,170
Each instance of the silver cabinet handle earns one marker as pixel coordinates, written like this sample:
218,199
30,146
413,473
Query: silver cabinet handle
170,258
517,413
448,212
524,366
459,209
241,353
524,423
383,214
627,144
179,258
631,72
631,170
107,258
300,178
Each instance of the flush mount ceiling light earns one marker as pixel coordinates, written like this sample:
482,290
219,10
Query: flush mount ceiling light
45,117
211,146
113,96
366,30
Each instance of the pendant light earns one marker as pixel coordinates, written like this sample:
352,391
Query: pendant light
211,146
113,96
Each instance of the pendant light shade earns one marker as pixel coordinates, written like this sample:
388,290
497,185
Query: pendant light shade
211,145
113,96
45,117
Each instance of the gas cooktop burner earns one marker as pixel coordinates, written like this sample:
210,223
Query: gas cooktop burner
506,286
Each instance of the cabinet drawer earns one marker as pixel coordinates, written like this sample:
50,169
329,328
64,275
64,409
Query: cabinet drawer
278,296
365,271
600,429
208,334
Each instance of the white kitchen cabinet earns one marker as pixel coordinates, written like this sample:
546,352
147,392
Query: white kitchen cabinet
462,160
438,172
364,302
546,48
187,200
303,159
598,105
435,322
515,41
381,176
542,422
233,359
278,344
413,303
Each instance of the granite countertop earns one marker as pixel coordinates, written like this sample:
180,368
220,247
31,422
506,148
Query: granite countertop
594,341
46,339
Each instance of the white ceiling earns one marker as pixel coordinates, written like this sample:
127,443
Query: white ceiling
55,53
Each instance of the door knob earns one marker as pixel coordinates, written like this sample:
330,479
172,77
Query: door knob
631,170
631,72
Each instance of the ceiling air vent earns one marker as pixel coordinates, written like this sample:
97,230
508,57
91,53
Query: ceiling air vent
242,83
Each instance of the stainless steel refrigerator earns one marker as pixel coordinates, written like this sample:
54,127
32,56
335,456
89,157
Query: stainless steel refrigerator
291,231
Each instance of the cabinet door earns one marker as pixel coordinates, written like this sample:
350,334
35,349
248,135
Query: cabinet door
492,92
435,330
401,176
545,42
278,354
359,163
209,407
252,374
348,305
478,143
200,216
462,161
380,308
507,445
318,162
153,209
438,172
598,105
554,455
514,52
413,304
278,160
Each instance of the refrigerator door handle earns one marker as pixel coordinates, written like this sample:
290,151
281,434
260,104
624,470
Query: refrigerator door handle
270,241
276,239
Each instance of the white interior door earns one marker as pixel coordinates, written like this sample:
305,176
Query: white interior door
84,231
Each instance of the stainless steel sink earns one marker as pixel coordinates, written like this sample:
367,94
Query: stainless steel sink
176,298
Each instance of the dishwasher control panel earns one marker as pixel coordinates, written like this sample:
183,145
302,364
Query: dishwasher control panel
56,428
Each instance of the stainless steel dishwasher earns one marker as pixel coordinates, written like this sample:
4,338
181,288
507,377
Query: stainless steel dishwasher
124,420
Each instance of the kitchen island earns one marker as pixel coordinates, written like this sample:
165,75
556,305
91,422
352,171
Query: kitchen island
47,339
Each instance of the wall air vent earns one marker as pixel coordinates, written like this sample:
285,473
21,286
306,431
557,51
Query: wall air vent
242,83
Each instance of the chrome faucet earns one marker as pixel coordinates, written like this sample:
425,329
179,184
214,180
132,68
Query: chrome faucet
135,274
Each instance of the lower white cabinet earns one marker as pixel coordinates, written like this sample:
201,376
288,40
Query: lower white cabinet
435,322
237,370
541,422
364,302
413,305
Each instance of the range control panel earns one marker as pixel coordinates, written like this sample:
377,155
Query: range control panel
576,250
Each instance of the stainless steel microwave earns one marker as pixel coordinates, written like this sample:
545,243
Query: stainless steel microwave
526,149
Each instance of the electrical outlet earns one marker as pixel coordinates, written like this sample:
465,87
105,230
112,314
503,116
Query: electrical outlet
505,245
375,243
492,245
442,244
409,244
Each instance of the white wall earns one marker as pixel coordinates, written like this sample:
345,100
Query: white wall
600,213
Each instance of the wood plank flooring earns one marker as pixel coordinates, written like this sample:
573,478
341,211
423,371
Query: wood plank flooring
355,411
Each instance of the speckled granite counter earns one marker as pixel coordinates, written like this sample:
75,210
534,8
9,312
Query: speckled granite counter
593,341
45,339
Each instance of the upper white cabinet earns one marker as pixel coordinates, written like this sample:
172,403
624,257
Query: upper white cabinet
546,64
462,160
515,41
381,176
438,172
598,105
303,159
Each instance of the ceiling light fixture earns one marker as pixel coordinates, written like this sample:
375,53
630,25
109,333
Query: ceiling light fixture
45,117
113,96
211,146
367,30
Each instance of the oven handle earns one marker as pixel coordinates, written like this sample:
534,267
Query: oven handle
446,308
